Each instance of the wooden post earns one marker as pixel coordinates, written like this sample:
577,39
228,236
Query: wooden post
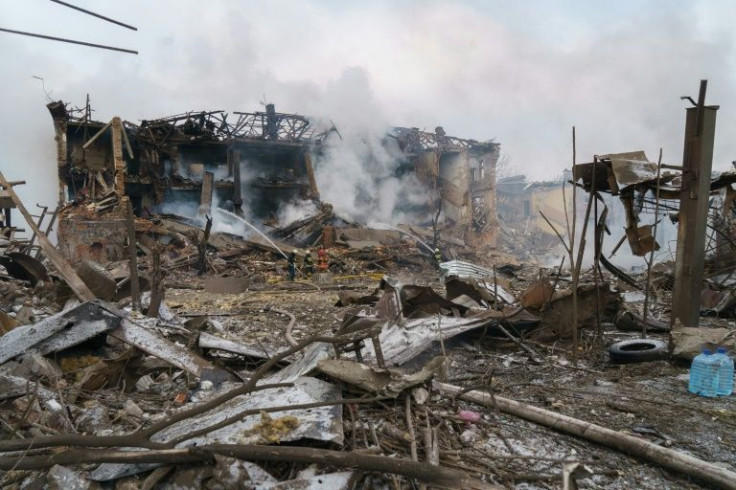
596,252
8,214
313,190
40,222
202,248
205,198
573,264
700,128
135,293
65,269
48,229
651,252
157,284
117,153
237,184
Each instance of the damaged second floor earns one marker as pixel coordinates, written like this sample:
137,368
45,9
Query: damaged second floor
253,162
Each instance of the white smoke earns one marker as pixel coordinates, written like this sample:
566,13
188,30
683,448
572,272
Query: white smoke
358,176
296,210
522,73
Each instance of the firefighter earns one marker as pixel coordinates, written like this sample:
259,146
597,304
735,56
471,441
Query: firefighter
322,259
308,264
437,257
292,265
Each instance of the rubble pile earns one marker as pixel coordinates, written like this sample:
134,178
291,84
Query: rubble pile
149,349
241,378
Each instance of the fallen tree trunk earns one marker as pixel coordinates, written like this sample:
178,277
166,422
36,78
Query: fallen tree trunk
434,475
668,458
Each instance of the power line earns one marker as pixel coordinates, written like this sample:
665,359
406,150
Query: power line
61,39
95,15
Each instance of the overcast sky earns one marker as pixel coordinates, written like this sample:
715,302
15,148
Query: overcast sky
521,73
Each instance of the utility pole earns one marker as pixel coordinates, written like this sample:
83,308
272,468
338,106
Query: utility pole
697,160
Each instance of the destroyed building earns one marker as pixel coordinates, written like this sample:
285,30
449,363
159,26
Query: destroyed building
463,171
524,208
245,161
379,369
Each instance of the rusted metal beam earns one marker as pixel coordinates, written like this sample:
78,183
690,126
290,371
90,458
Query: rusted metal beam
693,216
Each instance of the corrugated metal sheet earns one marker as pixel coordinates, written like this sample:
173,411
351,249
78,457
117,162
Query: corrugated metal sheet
464,270
483,276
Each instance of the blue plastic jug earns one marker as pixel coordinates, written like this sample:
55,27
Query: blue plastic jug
704,375
725,372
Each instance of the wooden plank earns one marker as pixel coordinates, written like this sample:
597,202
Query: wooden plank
64,268
96,135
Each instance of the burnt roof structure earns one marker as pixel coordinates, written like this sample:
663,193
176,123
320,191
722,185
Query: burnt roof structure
258,161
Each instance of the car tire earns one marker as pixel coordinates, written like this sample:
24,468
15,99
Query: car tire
637,350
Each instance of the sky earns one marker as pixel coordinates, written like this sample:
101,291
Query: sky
519,73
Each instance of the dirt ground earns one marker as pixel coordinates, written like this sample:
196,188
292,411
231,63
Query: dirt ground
648,400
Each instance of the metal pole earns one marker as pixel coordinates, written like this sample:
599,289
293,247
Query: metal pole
651,252
596,250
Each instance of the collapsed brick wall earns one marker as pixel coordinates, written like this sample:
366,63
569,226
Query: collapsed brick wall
101,239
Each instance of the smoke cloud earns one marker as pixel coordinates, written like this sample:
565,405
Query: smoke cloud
520,73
